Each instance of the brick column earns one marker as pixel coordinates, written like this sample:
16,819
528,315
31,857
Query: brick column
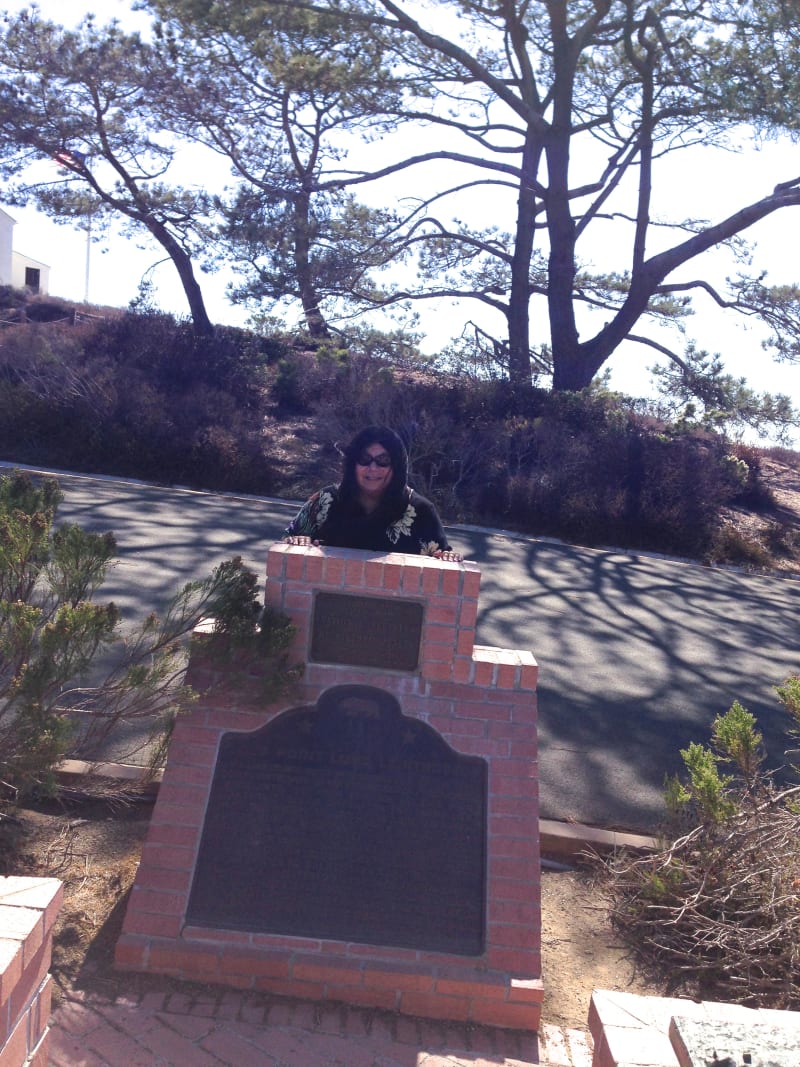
28,910
482,701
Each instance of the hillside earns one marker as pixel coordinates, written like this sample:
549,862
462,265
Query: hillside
138,394
776,529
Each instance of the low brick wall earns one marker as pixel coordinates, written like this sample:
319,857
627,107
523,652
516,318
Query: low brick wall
630,1030
28,910
482,702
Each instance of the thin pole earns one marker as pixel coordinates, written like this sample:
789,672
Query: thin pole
88,257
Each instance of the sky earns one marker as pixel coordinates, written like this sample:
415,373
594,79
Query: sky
700,183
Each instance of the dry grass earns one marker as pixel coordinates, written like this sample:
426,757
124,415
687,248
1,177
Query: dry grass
716,909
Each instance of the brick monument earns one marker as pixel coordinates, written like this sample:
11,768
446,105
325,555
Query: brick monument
372,841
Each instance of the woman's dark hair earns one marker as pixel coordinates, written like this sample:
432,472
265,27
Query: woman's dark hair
394,499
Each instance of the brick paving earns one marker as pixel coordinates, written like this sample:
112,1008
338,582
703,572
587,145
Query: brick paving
233,1029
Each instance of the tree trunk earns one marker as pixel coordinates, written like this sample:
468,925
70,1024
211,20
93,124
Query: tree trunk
201,323
572,370
309,298
567,363
519,343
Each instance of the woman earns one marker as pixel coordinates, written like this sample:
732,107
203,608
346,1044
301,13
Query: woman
373,507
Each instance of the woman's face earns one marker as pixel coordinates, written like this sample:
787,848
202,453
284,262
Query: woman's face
373,480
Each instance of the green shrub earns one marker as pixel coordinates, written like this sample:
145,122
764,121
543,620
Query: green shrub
714,907
754,493
52,632
789,696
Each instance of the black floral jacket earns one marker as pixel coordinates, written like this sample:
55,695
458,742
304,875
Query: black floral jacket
323,518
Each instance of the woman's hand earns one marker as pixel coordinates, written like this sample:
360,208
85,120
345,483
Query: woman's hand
302,540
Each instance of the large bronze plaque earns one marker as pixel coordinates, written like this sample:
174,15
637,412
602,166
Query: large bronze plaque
346,821
366,631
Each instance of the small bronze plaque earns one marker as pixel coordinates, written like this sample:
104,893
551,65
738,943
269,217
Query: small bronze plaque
366,631
346,821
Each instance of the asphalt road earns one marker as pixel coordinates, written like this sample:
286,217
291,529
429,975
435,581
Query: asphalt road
637,654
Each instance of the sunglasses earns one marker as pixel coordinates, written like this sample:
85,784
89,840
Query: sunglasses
366,460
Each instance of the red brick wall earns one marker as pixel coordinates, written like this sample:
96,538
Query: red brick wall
28,910
482,701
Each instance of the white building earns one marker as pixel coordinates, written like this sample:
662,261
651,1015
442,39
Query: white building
16,269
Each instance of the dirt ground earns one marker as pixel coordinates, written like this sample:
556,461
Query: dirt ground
95,850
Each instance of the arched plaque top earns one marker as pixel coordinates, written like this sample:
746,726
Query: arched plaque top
360,726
